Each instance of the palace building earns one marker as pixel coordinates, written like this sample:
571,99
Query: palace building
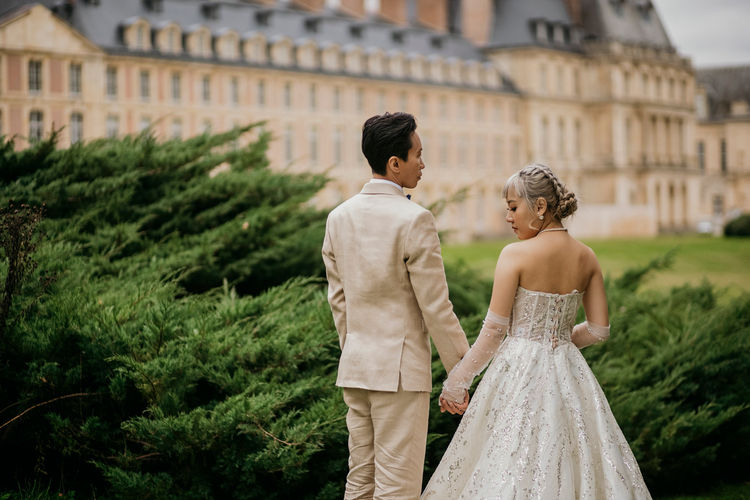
594,88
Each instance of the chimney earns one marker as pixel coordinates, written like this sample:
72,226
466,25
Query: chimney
574,11
432,14
394,11
354,8
476,21
309,5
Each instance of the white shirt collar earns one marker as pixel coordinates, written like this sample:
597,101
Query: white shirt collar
386,181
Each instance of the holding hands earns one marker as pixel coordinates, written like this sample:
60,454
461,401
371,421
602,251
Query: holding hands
453,407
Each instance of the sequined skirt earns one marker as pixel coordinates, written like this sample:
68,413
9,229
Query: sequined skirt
538,427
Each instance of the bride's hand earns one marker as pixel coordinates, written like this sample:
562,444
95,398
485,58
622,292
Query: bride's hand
452,407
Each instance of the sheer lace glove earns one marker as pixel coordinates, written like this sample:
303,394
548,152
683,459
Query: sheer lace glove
584,334
462,375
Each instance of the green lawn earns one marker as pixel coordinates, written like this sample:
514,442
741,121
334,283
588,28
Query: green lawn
723,261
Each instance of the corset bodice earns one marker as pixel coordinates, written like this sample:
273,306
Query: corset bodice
544,317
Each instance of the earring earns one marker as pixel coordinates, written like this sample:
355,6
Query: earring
541,217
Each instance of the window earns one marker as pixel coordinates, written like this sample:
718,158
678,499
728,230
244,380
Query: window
560,79
234,90
561,138
701,155
76,128
443,106
723,156
337,135
402,101
176,87
718,204
381,101
145,85
171,40
360,99
462,109
542,78
207,126
144,124
35,76
113,126
141,37
336,98
313,96
36,125
261,97
480,111
545,136
177,129
111,82
75,79
287,95
206,89
313,139
423,105
288,145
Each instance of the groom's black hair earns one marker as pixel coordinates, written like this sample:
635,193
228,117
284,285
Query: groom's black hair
387,135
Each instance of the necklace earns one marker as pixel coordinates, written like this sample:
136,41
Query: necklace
553,229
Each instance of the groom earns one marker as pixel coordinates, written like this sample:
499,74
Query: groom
387,291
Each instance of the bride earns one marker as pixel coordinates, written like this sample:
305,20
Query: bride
539,425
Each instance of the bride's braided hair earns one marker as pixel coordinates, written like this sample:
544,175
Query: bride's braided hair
538,181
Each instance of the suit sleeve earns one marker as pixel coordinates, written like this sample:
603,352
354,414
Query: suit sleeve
336,297
427,275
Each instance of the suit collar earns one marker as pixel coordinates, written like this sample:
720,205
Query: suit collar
381,188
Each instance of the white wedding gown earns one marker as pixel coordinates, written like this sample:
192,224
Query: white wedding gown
538,425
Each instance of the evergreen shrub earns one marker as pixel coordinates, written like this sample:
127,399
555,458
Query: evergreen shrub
739,226
173,339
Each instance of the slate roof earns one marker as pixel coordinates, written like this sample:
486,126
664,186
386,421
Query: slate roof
724,86
99,22
628,21
513,24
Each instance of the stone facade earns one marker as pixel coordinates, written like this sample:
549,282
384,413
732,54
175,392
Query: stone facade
614,117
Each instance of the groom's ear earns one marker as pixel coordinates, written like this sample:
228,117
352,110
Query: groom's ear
393,164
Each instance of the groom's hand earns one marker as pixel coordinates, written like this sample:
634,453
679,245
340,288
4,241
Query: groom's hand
453,407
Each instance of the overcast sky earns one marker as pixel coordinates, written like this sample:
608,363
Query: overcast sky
710,32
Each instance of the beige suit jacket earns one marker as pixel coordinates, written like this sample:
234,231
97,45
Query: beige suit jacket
387,291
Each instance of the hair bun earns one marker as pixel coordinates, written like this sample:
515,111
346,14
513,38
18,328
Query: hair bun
567,206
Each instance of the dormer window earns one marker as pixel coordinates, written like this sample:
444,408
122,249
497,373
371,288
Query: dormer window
227,44
210,10
136,34
168,38
263,17
307,54
398,37
311,24
254,48
281,51
436,42
154,5
356,31
198,41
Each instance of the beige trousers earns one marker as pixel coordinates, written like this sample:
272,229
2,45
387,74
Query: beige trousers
387,439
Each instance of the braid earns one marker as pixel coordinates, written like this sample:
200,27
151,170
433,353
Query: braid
540,181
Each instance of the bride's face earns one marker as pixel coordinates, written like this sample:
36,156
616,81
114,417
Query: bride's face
519,216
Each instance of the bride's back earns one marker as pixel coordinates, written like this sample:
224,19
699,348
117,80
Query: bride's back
555,262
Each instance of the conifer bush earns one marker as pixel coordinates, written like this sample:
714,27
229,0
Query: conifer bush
172,339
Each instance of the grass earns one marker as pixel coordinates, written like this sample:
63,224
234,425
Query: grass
725,262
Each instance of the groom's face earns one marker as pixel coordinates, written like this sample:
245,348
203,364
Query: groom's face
410,171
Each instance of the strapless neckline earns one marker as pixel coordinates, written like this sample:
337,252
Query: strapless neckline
574,292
